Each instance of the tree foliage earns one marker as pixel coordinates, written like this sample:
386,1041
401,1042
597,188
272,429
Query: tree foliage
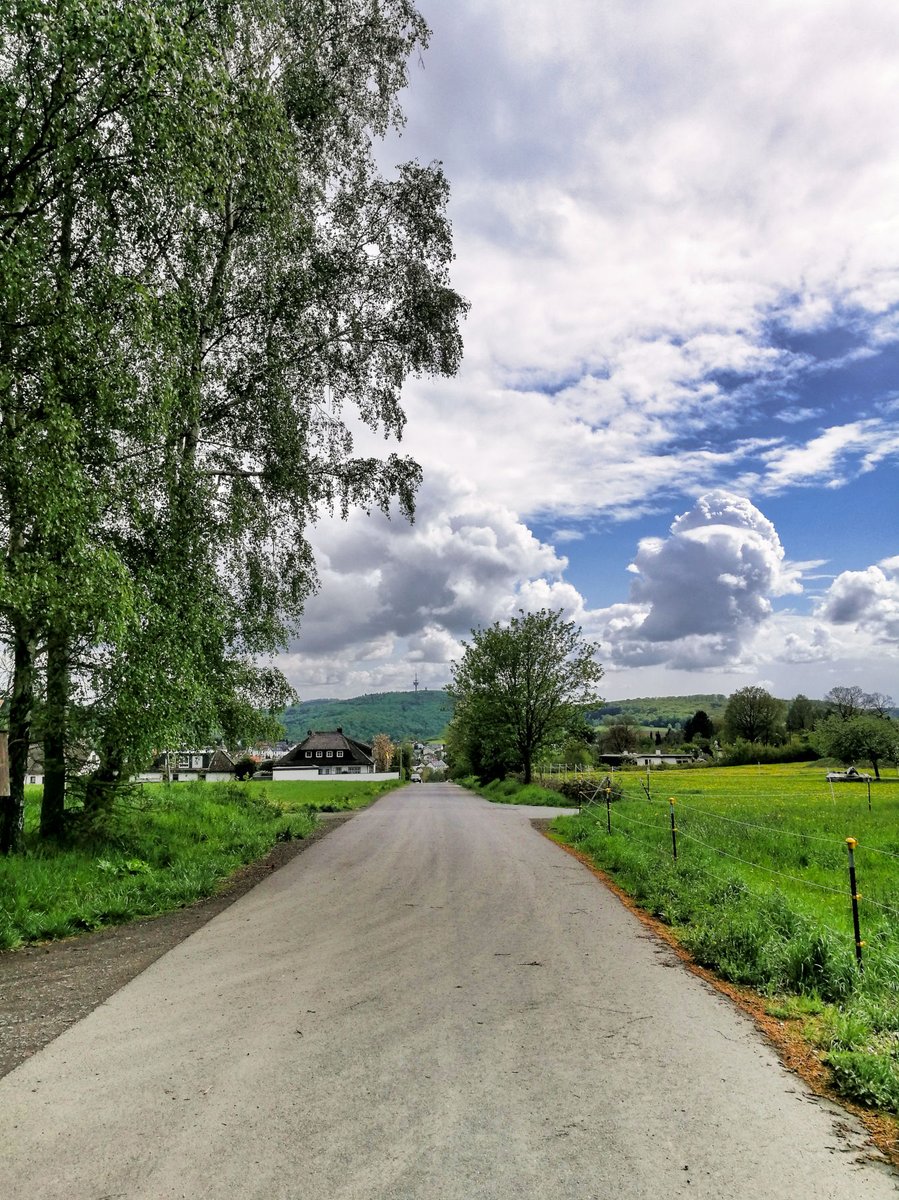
699,726
205,282
754,714
383,751
519,686
858,738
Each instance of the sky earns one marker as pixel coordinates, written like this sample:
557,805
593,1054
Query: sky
677,419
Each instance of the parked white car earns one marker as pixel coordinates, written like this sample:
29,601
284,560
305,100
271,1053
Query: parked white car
850,776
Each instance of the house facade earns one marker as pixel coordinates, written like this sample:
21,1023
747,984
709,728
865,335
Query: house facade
185,766
326,753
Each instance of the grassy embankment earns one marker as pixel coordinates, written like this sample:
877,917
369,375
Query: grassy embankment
760,894
165,848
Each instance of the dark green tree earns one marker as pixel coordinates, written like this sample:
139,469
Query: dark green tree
698,726
801,714
519,685
754,714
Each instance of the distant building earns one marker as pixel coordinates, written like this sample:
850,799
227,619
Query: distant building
326,753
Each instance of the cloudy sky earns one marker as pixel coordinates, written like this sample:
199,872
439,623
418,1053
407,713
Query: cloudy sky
677,224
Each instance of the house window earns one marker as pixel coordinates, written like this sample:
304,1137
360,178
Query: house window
318,754
308,753
329,754
354,770
340,754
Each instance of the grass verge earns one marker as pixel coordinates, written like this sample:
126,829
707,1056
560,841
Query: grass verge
509,791
163,848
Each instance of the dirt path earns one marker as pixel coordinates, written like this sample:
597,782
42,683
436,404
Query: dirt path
432,1003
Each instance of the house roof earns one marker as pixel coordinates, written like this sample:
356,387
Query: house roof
221,761
327,739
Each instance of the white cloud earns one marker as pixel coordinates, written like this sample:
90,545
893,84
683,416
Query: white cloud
641,196
637,196
699,595
868,600
396,597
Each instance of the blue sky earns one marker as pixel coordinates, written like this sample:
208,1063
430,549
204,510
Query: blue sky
678,415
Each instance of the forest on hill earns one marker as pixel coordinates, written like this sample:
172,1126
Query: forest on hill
417,716
425,715
660,712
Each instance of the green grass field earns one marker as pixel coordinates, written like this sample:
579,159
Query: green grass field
164,847
760,893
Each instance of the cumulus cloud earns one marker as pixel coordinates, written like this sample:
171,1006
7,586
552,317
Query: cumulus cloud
867,600
656,211
394,594
700,594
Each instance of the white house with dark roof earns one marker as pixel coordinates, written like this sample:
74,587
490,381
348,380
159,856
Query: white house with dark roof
327,753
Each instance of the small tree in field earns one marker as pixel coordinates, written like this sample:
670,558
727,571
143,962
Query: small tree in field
520,685
859,738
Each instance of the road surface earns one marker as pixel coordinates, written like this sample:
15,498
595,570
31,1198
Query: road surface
432,1003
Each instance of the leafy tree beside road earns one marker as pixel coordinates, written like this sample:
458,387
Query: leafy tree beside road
205,282
518,686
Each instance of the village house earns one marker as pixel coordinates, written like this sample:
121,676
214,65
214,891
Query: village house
213,764
326,753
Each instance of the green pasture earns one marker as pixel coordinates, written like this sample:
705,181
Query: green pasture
162,847
760,893
321,797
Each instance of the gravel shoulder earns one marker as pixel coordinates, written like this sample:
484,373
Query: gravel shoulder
47,987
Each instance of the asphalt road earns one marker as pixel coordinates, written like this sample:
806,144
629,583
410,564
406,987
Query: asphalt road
432,1003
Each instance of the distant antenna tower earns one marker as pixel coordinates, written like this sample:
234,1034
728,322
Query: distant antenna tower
415,683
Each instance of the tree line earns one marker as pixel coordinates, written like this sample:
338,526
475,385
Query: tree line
205,281
523,688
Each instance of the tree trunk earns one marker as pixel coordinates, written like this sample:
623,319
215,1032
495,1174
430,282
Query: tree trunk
13,813
527,767
53,804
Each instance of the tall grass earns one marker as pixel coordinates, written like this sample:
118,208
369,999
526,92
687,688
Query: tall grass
165,848
510,791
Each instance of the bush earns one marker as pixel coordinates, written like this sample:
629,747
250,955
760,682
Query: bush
743,754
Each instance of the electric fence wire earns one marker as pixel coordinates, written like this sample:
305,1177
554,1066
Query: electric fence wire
875,850
813,922
767,828
821,887
877,904
636,821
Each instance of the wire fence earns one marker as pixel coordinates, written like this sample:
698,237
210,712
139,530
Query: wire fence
838,860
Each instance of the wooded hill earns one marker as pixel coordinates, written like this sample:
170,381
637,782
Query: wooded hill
660,712
424,716
421,716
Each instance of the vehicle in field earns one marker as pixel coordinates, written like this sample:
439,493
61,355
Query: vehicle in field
850,776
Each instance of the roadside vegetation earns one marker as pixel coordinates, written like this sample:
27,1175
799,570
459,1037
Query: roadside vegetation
760,894
160,848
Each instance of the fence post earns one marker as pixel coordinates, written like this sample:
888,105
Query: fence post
851,843
869,795
673,830
609,810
